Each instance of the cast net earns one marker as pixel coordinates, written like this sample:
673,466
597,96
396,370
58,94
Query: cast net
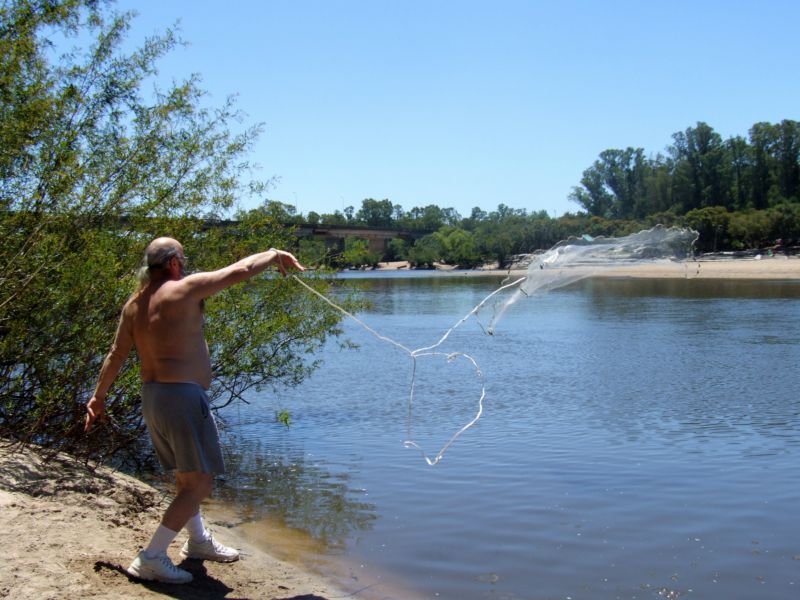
565,263
580,257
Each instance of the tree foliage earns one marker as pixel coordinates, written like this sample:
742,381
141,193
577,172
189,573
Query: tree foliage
92,169
375,213
700,170
357,253
738,193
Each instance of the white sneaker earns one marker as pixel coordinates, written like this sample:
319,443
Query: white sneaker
159,568
211,549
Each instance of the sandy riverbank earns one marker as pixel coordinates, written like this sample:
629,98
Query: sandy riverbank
775,267
71,533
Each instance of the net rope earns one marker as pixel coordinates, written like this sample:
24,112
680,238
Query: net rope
567,262
426,351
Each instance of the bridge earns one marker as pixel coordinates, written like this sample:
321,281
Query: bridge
333,235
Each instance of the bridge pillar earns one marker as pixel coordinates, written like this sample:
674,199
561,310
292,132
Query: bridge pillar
377,244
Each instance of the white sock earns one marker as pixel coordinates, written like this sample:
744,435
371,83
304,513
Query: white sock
196,528
161,540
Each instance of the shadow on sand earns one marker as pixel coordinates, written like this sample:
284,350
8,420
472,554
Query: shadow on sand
203,587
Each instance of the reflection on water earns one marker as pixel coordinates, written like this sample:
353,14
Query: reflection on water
640,440
690,288
285,492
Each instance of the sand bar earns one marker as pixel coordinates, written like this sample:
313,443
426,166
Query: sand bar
776,267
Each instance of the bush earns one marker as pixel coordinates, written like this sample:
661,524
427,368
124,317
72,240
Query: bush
91,172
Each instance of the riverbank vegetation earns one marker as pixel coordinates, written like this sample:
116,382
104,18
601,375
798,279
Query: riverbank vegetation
92,168
738,193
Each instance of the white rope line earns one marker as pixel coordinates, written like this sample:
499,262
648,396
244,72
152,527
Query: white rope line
344,312
426,351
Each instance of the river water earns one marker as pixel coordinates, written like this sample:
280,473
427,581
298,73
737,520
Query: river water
640,439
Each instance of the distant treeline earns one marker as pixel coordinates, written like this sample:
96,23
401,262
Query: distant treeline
737,193
699,170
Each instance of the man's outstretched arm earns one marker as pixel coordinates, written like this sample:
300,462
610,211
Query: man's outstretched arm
203,285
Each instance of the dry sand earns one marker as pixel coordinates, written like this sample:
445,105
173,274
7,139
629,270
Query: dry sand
775,267
69,532
778,268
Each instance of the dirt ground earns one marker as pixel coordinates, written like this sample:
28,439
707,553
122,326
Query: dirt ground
70,532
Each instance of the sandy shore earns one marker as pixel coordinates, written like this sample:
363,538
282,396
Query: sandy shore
776,267
71,533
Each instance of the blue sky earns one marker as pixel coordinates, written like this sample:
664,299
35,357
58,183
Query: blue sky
466,103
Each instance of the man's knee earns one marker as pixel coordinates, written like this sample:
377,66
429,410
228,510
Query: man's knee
195,483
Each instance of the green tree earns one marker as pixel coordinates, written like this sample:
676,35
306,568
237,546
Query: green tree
397,249
93,169
658,187
495,241
426,251
788,160
592,194
458,247
741,164
784,219
748,229
762,140
476,216
429,218
334,218
312,252
276,210
397,213
624,172
712,224
357,253
701,174
376,213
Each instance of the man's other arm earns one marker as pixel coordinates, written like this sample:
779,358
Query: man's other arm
123,342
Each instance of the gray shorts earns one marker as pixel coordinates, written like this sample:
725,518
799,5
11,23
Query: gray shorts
182,427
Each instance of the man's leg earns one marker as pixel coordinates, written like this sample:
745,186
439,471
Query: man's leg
186,513
152,562
193,488
197,529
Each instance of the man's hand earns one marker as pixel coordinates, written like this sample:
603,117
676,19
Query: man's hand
286,261
95,409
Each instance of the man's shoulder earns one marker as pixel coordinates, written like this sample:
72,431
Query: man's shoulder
132,300
176,295
132,303
197,286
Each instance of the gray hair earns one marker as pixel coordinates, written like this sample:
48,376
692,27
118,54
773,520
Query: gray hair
154,258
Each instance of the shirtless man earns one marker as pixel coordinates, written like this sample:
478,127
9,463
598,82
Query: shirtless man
163,319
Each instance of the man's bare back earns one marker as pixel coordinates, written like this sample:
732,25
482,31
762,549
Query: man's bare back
167,330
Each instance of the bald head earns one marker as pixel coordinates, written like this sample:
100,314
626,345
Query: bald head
156,257
160,250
